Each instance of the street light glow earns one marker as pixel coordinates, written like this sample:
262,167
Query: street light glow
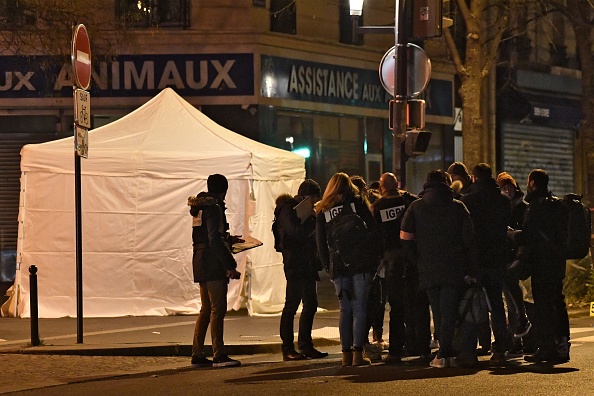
356,7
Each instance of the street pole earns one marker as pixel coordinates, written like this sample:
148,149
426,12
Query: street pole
400,92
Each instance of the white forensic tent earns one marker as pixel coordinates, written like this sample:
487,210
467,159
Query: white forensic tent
137,245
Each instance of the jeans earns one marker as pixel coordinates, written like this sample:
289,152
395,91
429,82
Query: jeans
299,290
213,296
352,292
444,304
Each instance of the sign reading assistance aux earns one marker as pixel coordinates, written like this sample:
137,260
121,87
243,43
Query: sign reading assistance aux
142,75
320,82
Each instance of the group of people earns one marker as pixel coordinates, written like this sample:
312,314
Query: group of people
464,228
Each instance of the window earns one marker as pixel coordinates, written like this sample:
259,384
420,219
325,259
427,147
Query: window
152,13
13,13
283,16
346,24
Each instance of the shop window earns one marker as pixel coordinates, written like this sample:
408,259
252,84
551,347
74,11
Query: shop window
152,13
346,24
283,16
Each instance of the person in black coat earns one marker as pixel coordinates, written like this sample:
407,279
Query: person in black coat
213,265
491,214
301,266
437,234
352,282
540,248
518,323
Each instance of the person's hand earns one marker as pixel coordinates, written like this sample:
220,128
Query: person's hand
236,239
469,280
233,274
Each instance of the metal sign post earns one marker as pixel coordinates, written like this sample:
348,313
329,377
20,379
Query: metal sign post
81,66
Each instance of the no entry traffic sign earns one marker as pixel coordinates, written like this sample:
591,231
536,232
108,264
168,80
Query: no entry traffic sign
81,57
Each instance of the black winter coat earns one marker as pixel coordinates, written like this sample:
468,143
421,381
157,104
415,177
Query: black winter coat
491,214
212,255
540,238
443,235
300,256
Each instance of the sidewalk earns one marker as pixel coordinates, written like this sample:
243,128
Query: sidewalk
163,335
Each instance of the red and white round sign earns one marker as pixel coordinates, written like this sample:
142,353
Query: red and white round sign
81,57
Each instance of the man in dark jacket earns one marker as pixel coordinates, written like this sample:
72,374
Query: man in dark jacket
491,214
301,265
213,266
442,230
541,248
461,180
518,323
401,280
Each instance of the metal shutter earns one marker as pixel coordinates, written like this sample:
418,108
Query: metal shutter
527,147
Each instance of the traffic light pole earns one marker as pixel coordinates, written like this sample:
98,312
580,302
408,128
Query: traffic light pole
400,93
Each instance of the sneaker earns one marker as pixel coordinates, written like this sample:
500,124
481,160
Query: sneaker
541,355
498,358
514,353
523,330
225,361
292,356
438,362
314,354
434,344
201,362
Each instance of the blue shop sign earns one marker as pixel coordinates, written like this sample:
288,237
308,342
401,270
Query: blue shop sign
130,75
295,79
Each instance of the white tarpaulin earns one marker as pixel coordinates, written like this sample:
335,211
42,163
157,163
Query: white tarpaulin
137,245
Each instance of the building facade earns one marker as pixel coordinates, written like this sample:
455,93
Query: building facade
286,73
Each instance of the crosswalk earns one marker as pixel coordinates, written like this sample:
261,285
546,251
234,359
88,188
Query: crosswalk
582,334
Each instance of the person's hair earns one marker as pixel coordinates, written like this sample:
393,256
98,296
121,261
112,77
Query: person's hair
438,176
482,171
340,188
540,178
360,183
217,184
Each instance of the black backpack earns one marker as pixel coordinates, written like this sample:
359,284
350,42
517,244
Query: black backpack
349,235
577,227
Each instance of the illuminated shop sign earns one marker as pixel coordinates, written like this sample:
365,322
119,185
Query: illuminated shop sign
325,83
320,82
127,75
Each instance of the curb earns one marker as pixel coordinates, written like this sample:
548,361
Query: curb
154,350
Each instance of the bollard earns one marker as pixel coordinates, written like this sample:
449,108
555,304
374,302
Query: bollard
34,306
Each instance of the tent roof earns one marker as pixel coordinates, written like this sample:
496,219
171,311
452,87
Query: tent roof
168,136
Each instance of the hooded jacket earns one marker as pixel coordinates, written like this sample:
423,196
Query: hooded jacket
299,250
212,255
443,234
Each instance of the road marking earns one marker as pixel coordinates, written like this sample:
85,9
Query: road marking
583,339
577,330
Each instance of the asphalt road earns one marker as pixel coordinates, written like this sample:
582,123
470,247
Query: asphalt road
266,374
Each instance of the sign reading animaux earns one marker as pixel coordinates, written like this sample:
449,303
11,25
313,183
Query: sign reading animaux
127,75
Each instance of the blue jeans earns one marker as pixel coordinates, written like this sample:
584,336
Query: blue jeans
444,305
352,293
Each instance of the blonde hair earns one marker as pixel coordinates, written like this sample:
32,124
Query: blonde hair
339,189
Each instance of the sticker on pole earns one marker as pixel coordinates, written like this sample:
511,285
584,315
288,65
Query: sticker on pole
81,57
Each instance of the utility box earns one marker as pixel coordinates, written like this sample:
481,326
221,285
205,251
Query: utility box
426,18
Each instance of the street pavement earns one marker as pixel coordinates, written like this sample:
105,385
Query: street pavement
115,347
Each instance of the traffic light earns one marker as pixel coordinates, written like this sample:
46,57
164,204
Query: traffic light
426,19
416,142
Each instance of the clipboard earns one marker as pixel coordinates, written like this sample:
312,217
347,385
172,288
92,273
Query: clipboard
247,244
304,209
